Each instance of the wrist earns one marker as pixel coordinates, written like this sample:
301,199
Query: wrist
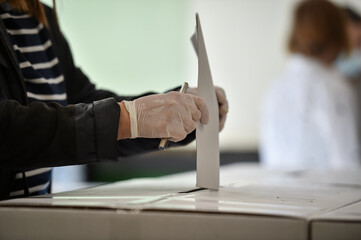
124,123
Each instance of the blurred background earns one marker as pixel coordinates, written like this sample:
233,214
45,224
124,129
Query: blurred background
133,46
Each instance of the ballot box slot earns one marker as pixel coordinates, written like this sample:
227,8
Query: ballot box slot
193,190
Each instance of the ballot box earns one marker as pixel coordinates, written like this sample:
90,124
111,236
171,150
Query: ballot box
342,223
252,203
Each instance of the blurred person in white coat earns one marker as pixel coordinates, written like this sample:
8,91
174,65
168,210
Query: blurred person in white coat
350,64
309,118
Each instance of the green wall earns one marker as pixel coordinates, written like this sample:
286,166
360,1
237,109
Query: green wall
129,46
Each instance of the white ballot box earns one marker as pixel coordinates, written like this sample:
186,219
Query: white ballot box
252,203
343,223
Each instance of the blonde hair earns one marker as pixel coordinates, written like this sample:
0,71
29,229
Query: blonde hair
32,7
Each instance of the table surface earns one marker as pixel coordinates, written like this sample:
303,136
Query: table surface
246,190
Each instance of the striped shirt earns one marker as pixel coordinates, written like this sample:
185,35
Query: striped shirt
44,82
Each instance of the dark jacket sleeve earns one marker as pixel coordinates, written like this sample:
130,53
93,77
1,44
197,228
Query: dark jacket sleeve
47,135
37,135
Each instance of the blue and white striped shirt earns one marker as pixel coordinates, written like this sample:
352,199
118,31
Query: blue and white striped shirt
44,82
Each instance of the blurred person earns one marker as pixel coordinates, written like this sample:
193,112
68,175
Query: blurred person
52,115
309,115
350,64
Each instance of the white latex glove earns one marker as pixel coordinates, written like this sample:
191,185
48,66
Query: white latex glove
222,104
172,115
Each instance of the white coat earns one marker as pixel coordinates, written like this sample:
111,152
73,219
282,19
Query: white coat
309,119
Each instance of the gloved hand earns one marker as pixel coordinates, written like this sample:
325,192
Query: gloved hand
222,104
172,115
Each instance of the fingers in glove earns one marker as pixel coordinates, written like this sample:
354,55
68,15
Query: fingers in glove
222,101
177,129
202,107
221,95
189,125
222,120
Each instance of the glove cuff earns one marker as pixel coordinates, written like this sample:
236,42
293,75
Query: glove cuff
130,106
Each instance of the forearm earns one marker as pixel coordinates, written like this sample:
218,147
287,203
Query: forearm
36,135
48,135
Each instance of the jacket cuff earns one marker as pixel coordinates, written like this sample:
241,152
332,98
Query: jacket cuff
96,130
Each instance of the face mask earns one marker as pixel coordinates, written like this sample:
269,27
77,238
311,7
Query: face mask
350,66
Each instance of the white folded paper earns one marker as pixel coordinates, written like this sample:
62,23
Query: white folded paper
207,135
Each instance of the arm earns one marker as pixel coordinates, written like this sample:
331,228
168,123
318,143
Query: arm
44,135
81,90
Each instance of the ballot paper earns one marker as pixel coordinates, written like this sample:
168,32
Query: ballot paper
207,135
